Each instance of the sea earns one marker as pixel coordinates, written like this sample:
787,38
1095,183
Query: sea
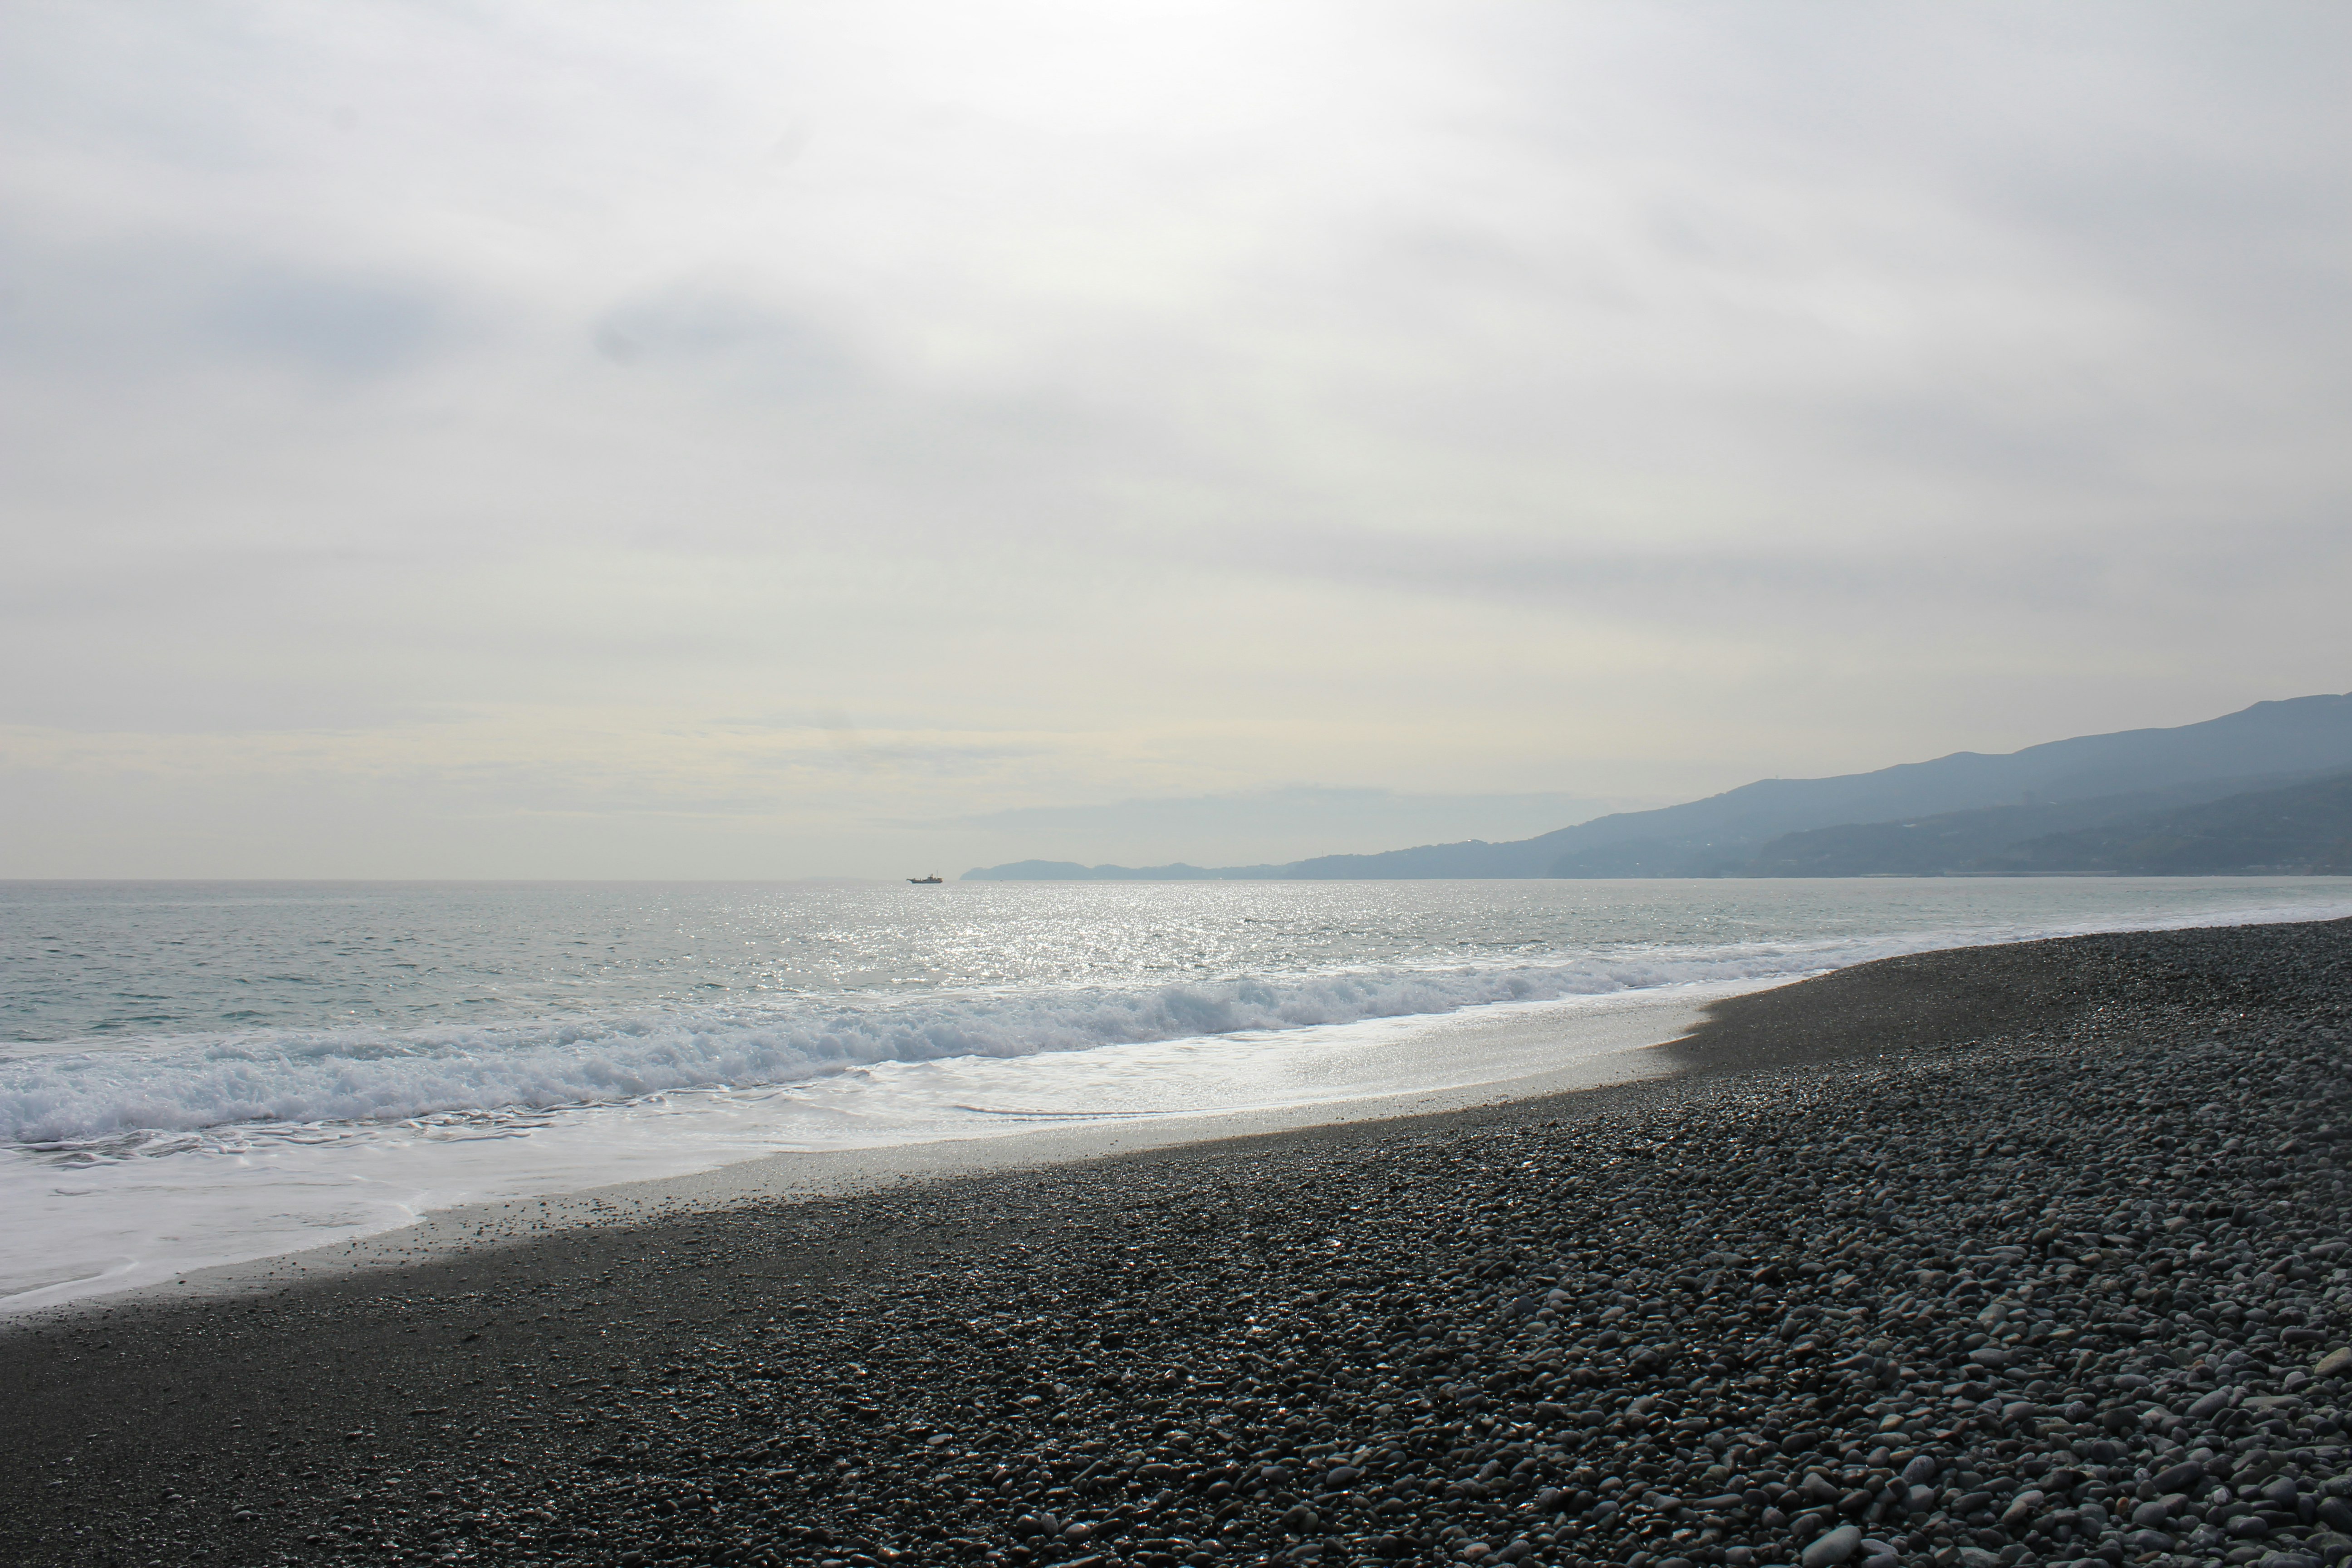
195,1074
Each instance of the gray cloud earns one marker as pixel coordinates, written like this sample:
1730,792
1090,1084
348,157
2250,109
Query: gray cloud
1467,404
132,308
773,350
332,326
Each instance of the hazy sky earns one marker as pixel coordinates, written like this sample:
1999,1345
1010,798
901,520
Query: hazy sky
574,439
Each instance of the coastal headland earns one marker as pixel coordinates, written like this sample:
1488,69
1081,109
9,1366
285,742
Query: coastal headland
1991,1257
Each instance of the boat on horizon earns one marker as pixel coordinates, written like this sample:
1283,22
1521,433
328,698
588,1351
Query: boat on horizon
926,881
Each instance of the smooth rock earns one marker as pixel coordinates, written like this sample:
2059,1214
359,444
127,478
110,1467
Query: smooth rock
2018,1181
1833,1547
2182,1477
2209,1406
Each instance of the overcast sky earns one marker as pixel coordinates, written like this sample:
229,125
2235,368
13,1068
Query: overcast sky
578,440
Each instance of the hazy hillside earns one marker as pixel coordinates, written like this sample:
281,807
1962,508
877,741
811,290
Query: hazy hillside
1720,835
2303,830
1723,833
1968,841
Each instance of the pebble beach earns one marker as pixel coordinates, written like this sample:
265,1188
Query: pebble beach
2023,1255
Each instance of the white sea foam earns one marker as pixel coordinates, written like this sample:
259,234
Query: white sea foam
63,1099
187,1083
127,1158
142,1211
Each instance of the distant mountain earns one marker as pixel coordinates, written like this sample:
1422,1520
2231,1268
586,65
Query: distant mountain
2305,830
1722,834
1972,842
1718,835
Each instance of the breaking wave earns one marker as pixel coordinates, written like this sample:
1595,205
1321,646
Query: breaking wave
187,1082
59,1097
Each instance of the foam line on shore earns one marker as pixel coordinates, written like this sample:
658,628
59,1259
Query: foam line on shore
2073,1233
1504,1053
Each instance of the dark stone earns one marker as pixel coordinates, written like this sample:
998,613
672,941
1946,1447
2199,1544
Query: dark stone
2188,1477
2012,1159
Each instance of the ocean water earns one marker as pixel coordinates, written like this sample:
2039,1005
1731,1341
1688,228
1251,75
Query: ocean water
200,1073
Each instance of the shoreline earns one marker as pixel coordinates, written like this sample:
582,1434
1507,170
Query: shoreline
197,1222
1597,1042
932,1370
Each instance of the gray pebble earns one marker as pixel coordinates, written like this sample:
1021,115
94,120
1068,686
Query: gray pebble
1742,1305
1833,1547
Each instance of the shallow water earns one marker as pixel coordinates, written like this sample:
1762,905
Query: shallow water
196,1073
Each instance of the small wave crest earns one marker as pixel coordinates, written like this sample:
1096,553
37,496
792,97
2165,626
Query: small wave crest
491,1080
119,1098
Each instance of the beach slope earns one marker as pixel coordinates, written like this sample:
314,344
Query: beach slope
1995,1256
